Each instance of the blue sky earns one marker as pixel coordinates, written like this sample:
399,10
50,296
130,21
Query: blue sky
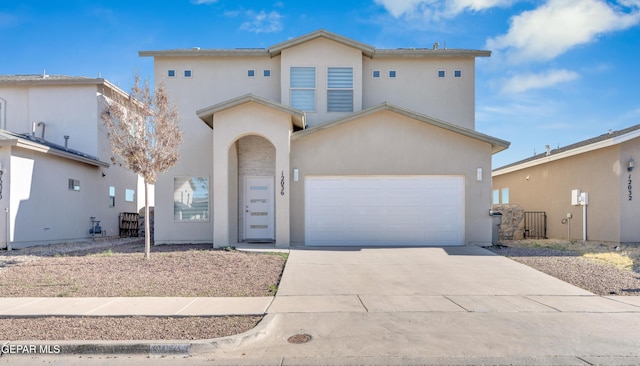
561,70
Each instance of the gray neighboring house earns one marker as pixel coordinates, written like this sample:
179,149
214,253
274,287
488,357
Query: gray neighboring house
597,177
55,161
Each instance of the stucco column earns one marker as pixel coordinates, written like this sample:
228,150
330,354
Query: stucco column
220,191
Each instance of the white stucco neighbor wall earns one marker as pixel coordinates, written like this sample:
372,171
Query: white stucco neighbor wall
42,208
36,196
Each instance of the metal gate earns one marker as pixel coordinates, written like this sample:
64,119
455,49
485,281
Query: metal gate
535,225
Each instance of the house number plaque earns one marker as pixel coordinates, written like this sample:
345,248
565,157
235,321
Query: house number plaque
630,186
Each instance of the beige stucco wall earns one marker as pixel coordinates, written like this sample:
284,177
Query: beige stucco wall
230,125
630,206
417,87
386,143
548,187
322,53
217,79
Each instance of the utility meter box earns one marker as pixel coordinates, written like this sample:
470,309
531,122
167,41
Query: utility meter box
575,197
579,198
584,198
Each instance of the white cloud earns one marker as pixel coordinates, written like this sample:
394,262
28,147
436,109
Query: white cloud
200,2
398,8
437,8
262,22
458,6
525,82
552,29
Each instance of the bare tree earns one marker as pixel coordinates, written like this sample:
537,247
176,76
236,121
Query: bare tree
145,136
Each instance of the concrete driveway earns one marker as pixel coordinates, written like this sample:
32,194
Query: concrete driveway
457,305
411,279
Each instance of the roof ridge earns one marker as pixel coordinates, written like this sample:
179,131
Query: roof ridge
603,137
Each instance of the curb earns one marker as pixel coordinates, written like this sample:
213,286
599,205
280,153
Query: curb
150,348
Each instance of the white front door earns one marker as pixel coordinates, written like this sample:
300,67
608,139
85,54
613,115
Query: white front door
259,218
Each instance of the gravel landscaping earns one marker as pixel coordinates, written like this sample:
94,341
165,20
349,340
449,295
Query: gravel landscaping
576,266
117,268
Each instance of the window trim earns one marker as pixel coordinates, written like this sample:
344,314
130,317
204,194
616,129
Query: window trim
251,73
373,74
441,73
457,73
392,74
184,73
171,71
265,72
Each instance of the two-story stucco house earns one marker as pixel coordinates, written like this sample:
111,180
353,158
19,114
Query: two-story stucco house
325,141
55,161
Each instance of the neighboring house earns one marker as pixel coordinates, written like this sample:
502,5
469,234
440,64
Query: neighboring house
54,156
323,140
602,167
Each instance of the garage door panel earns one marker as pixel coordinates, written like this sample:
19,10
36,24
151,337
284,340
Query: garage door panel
388,210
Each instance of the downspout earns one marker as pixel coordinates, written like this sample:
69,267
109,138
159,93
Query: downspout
43,126
6,214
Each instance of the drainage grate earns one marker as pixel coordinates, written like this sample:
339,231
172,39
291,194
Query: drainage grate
299,338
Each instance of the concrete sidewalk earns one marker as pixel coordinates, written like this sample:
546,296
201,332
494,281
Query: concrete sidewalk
461,305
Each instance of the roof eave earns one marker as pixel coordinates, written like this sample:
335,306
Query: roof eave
206,53
366,50
206,114
33,146
412,52
565,154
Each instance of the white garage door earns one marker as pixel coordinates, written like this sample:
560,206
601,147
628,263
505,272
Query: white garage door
384,210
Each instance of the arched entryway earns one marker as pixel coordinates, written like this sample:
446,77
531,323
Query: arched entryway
256,164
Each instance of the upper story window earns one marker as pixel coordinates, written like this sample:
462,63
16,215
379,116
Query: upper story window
441,73
457,73
392,73
171,73
340,89
187,73
303,88
251,73
375,74
266,73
